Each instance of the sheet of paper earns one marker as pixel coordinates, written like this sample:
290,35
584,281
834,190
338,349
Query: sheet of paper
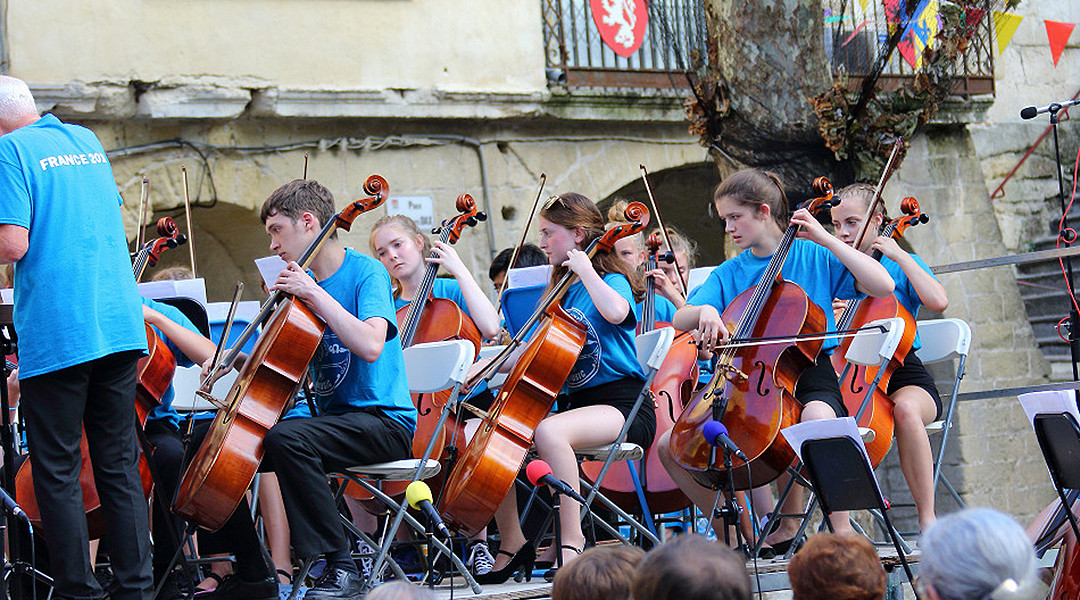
269,267
7,296
796,435
1052,402
527,276
173,288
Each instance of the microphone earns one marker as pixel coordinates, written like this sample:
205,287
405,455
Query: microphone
419,496
1031,111
716,434
539,473
10,505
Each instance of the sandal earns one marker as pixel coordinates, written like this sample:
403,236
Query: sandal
288,576
211,575
549,575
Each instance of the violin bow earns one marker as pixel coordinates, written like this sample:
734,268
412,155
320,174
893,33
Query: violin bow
144,194
305,166
521,242
889,166
187,216
663,228
205,393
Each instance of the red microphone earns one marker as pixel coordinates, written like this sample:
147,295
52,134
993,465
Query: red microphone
539,473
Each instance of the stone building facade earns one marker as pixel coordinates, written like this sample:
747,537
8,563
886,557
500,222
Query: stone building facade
444,98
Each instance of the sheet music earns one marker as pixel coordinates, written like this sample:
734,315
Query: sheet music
519,277
1053,402
7,296
824,428
269,268
173,288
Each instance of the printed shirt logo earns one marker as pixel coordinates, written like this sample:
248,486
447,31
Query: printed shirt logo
621,24
333,360
588,362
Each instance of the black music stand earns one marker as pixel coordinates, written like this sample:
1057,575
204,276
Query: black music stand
8,344
843,480
1059,440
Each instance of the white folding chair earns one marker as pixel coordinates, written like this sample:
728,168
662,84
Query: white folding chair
872,348
945,339
651,349
429,368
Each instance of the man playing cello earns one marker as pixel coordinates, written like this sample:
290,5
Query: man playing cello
365,414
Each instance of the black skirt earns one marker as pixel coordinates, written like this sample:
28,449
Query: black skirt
621,395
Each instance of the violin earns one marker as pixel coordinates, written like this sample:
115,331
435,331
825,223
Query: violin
752,388
225,464
877,413
671,389
487,468
431,319
154,375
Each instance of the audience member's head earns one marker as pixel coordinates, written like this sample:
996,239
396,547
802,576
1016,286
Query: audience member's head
977,554
692,568
835,567
400,590
601,573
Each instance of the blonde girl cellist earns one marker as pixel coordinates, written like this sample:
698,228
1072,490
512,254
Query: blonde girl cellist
753,206
911,388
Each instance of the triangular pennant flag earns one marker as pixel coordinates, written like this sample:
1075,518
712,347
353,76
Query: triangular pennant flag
863,4
1005,25
1058,33
920,33
972,17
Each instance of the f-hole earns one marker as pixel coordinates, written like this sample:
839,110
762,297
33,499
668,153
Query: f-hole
855,379
762,390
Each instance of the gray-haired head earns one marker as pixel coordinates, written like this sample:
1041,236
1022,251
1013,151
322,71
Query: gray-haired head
17,106
974,553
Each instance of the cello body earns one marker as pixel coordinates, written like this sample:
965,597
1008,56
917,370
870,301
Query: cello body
1066,583
672,389
758,406
224,466
487,468
878,413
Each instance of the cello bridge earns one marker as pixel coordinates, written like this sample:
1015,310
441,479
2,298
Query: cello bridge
732,374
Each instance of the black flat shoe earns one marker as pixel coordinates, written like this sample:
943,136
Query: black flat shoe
337,584
781,548
522,561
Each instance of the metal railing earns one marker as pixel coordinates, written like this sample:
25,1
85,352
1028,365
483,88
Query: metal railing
855,35
675,39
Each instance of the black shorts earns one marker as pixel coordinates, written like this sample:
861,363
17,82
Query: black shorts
913,372
621,395
819,383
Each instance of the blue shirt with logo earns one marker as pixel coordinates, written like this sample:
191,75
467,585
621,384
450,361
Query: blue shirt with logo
810,265
905,292
609,353
344,382
75,295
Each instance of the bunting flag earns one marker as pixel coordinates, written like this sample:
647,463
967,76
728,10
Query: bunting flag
920,34
972,17
1058,33
1005,25
863,4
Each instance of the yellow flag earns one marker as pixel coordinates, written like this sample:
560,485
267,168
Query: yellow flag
1005,25
863,3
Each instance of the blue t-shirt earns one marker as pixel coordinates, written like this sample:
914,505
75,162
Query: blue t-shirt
905,292
166,412
343,381
448,289
609,353
810,265
75,295
663,308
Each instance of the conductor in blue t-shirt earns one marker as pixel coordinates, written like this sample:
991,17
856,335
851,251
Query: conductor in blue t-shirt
81,332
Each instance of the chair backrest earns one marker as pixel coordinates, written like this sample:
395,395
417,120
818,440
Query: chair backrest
943,339
871,348
437,366
195,312
187,379
697,276
218,312
518,305
653,346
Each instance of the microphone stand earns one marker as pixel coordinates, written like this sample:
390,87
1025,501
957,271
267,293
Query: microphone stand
1074,318
730,509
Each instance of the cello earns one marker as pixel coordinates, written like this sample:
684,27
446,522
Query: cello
876,414
671,389
154,375
487,468
225,464
752,388
431,319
